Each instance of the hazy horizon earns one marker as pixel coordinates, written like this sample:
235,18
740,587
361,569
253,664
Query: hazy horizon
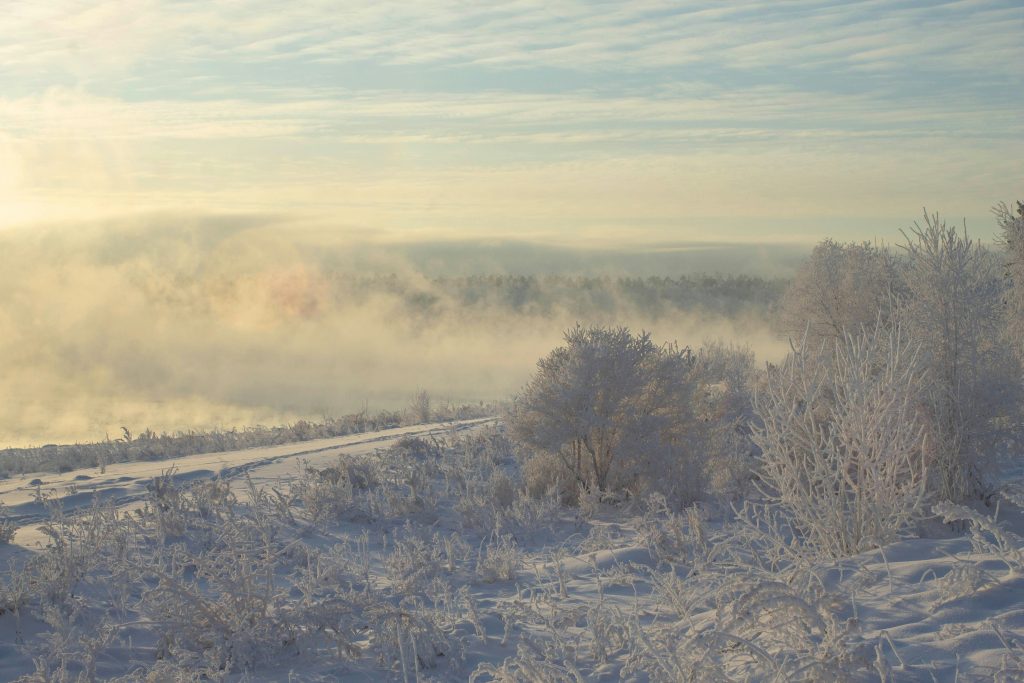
176,323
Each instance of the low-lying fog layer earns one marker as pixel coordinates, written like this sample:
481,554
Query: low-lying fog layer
187,323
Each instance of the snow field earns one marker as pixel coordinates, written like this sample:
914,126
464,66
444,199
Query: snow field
424,557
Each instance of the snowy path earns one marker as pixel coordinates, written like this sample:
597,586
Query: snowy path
125,483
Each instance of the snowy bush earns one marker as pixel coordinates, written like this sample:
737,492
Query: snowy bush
987,535
761,630
499,560
544,472
671,536
841,441
413,561
7,527
325,494
527,514
419,410
411,638
334,492
612,406
501,489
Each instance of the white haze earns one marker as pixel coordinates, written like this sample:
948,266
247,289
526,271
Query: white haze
217,322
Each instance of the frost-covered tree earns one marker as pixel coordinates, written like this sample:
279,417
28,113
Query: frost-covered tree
954,310
840,289
610,405
1011,225
841,440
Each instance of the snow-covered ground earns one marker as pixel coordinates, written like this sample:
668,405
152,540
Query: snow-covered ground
415,554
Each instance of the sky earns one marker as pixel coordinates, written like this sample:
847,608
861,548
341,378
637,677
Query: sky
604,123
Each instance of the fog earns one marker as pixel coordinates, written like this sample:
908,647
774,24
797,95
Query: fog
176,322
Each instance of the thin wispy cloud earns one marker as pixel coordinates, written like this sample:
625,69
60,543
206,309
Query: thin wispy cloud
583,34
150,103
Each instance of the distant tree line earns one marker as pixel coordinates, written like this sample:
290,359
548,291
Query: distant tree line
584,297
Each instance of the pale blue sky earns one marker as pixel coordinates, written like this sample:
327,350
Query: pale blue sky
609,121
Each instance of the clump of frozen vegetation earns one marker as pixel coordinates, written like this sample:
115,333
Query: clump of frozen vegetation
949,297
7,527
612,415
842,446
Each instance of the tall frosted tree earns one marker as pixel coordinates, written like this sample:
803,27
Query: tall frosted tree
954,310
841,289
1011,225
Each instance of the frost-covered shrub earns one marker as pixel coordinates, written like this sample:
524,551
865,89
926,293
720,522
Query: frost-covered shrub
210,499
7,526
411,638
361,473
455,550
489,443
502,489
671,536
412,562
610,415
412,466
527,514
167,505
417,447
761,630
987,535
476,512
222,603
842,441
177,511
403,482
333,492
612,406
419,411
325,494
74,547
499,560
545,472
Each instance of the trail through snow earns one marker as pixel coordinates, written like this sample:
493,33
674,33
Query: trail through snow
126,483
